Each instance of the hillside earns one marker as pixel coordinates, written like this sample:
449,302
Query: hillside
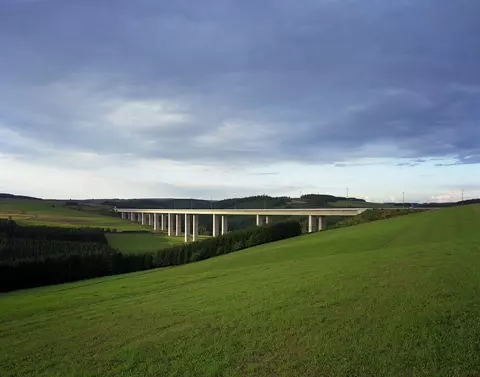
389,298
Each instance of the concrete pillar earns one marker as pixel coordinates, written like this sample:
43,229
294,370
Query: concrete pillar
224,225
149,218
195,228
215,226
311,224
262,220
322,223
144,218
170,224
155,222
132,216
187,227
178,225
123,215
162,221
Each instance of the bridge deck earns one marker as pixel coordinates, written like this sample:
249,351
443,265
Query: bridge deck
252,212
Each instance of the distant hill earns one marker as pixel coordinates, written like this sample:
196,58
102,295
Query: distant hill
259,201
450,204
11,196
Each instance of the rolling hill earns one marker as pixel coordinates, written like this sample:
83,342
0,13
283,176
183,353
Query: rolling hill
394,297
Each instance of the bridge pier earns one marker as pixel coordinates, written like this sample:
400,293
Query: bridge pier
311,223
162,222
155,222
195,228
262,220
322,223
215,225
316,223
187,228
123,215
170,224
224,225
178,225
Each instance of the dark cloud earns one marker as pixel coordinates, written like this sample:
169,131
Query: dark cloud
243,81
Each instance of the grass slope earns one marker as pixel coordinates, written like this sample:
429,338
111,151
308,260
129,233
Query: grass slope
390,298
31,212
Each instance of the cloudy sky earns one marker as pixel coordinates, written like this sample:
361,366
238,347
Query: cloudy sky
223,98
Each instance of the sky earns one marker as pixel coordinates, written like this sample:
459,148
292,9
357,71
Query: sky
229,98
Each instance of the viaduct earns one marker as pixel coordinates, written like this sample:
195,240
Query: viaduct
171,219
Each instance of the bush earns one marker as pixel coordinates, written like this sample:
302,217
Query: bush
230,242
373,215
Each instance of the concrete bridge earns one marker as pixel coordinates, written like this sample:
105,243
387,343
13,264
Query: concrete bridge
171,219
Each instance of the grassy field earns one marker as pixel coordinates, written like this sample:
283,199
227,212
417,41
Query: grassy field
141,242
397,297
354,204
33,212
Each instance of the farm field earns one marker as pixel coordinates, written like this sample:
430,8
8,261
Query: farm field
141,242
53,213
396,297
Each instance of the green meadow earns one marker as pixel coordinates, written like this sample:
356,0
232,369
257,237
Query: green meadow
54,213
395,297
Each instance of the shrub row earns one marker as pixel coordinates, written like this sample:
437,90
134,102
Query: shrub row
373,215
230,242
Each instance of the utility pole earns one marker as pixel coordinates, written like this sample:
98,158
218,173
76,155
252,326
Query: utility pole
347,192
